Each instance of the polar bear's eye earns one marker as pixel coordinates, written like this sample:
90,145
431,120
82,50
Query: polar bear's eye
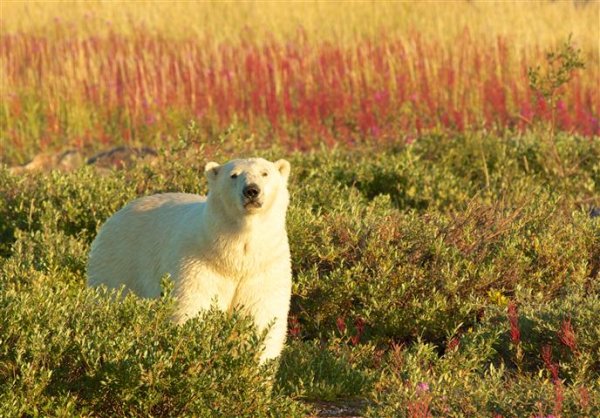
265,173
234,176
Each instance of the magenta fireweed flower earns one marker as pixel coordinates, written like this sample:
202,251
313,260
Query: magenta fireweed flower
423,386
301,90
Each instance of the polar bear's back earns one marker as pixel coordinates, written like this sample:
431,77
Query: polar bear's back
133,245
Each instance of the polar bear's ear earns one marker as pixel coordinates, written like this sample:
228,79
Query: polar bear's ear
284,168
211,170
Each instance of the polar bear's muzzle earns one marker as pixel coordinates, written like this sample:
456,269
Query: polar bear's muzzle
251,196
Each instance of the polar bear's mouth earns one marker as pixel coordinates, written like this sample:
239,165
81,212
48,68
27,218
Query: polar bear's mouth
252,204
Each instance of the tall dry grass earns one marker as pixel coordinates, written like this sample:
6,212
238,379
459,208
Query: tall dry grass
527,24
82,73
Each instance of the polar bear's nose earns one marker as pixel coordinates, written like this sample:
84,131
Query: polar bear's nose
251,191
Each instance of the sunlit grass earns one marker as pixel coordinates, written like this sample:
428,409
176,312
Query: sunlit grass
526,23
101,73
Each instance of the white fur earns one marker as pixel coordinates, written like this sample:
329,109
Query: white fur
213,247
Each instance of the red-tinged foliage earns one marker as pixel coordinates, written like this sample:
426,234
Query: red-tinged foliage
359,325
567,335
303,91
513,319
294,327
584,397
559,398
550,365
553,368
421,407
453,344
341,325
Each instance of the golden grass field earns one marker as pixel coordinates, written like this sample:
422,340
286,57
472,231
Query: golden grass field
80,74
525,23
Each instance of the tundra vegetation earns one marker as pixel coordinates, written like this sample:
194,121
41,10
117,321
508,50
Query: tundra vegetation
446,260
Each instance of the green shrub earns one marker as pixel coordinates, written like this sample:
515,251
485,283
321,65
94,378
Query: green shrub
68,351
404,259
315,371
419,383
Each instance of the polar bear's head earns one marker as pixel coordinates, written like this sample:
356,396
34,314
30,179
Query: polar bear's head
249,186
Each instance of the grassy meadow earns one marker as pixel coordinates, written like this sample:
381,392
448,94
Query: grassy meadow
445,258
95,74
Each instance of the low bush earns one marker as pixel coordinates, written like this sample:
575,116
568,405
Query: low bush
70,351
450,277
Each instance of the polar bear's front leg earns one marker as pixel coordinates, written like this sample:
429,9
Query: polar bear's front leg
198,290
275,339
267,300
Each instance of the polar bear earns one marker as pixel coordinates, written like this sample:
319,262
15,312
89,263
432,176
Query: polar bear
230,246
